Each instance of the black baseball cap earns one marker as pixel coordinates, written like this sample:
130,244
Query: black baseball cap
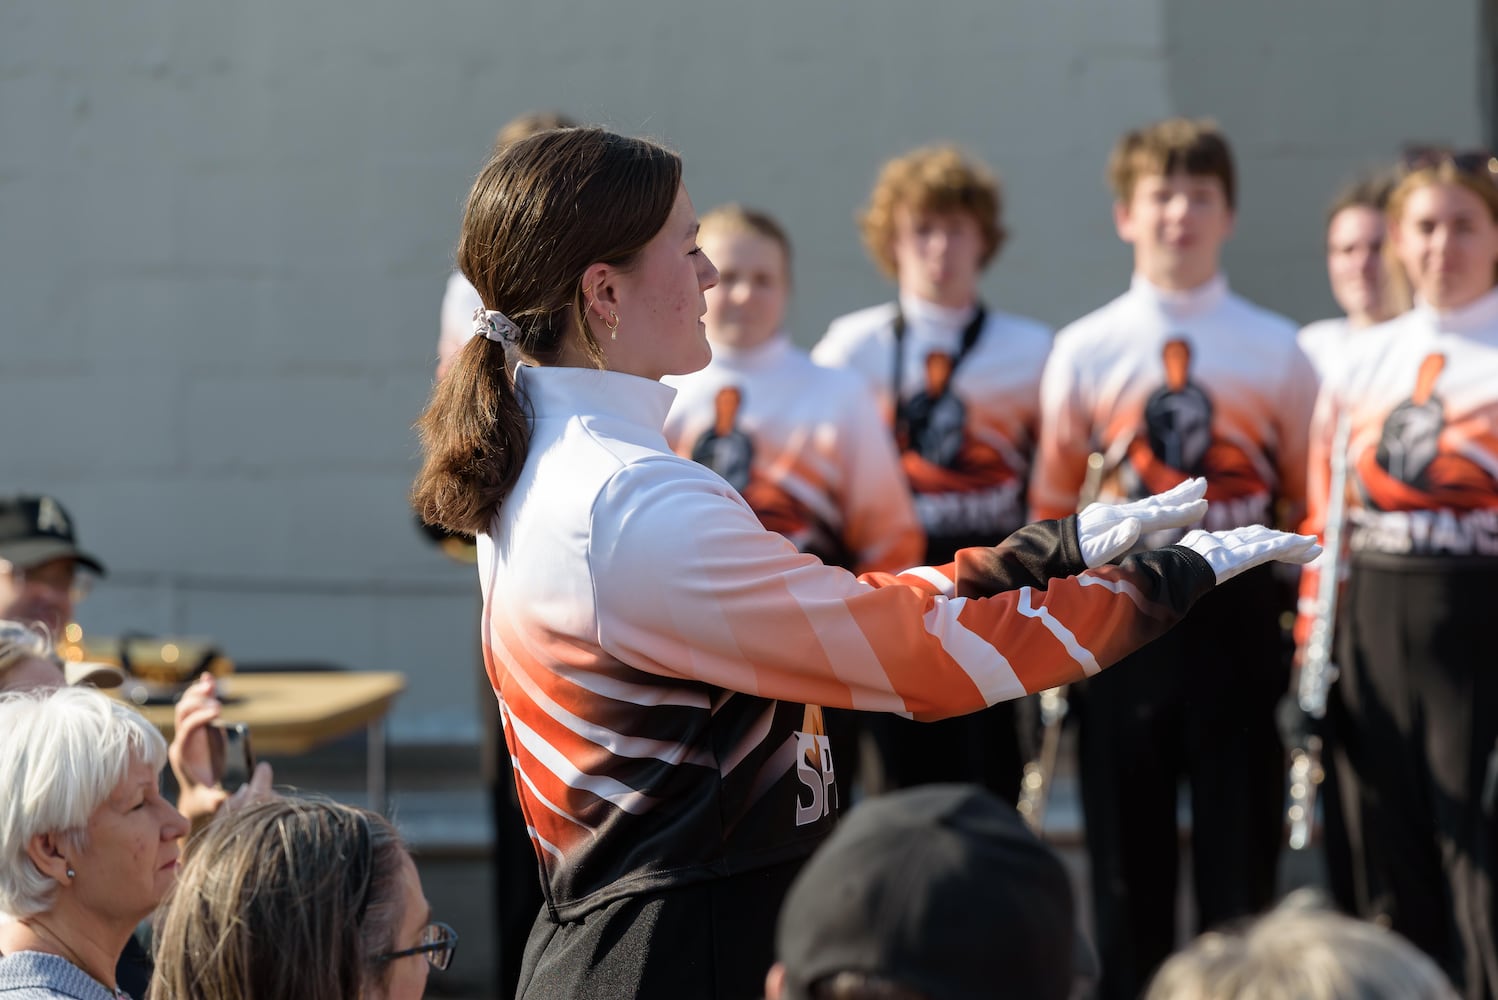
37,529
940,889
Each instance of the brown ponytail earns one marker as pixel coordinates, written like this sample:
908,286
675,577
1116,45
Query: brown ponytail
541,212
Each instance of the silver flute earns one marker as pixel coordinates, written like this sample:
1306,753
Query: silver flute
1317,670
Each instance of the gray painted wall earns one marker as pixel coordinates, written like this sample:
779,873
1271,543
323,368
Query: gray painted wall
224,231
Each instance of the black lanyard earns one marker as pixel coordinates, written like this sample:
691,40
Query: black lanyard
969,338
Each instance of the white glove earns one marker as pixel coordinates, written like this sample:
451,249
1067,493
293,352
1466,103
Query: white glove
1107,531
1231,552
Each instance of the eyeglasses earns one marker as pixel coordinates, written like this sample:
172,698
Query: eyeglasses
1471,162
61,575
439,943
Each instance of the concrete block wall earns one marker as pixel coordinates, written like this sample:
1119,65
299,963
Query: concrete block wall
224,232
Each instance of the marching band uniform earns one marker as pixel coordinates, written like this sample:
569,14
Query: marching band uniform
1416,707
1166,385
821,470
631,597
959,392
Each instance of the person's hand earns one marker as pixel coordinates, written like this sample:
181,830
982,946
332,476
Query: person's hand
1233,551
1107,531
199,796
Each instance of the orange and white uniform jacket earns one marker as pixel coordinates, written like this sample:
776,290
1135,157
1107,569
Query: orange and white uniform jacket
660,657
968,468
1420,393
1169,385
805,447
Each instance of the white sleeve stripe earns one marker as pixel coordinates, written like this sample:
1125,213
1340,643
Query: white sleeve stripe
945,587
606,788
558,810
988,669
616,743
1064,635
546,845
1123,587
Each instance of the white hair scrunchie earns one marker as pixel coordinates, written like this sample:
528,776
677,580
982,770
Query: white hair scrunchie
491,324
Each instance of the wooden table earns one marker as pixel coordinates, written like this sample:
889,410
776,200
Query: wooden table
292,713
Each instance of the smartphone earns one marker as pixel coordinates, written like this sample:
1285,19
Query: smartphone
230,754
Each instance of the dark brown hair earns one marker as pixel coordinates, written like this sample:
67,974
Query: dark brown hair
540,213
1176,145
932,179
290,897
526,125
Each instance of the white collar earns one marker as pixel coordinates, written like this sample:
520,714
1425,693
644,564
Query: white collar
1478,316
1182,304
760,356
558,392
930,314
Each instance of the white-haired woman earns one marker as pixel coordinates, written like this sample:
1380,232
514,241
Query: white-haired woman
88,847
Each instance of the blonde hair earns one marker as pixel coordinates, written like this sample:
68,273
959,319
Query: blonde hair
1297,952
1194,146
932,179
1444,171
736,218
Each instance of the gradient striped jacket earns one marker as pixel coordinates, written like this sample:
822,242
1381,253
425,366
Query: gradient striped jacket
660,657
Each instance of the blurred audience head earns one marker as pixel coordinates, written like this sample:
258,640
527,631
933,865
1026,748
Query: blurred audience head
934,221
1301,952
298,897
28,662
43,573
931,893
85,837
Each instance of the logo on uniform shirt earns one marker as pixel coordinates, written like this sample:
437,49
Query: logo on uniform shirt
814,769
725,448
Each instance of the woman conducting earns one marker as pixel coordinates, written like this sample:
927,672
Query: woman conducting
1416,709
659,656
88,847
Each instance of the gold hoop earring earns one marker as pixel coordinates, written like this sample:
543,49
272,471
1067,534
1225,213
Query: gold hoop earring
614,326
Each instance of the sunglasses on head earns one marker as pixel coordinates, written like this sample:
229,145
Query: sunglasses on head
1469,162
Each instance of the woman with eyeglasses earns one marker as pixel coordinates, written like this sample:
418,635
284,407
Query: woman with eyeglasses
302,898
1416,708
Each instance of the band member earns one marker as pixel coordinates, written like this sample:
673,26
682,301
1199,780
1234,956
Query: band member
958,382
1416,707
802,444
1354,265
1180,377
1355,236
652,646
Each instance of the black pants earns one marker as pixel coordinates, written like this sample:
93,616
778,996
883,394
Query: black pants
1196,704
711,940
1416,714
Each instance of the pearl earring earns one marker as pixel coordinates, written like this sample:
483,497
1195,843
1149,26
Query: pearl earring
72,874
